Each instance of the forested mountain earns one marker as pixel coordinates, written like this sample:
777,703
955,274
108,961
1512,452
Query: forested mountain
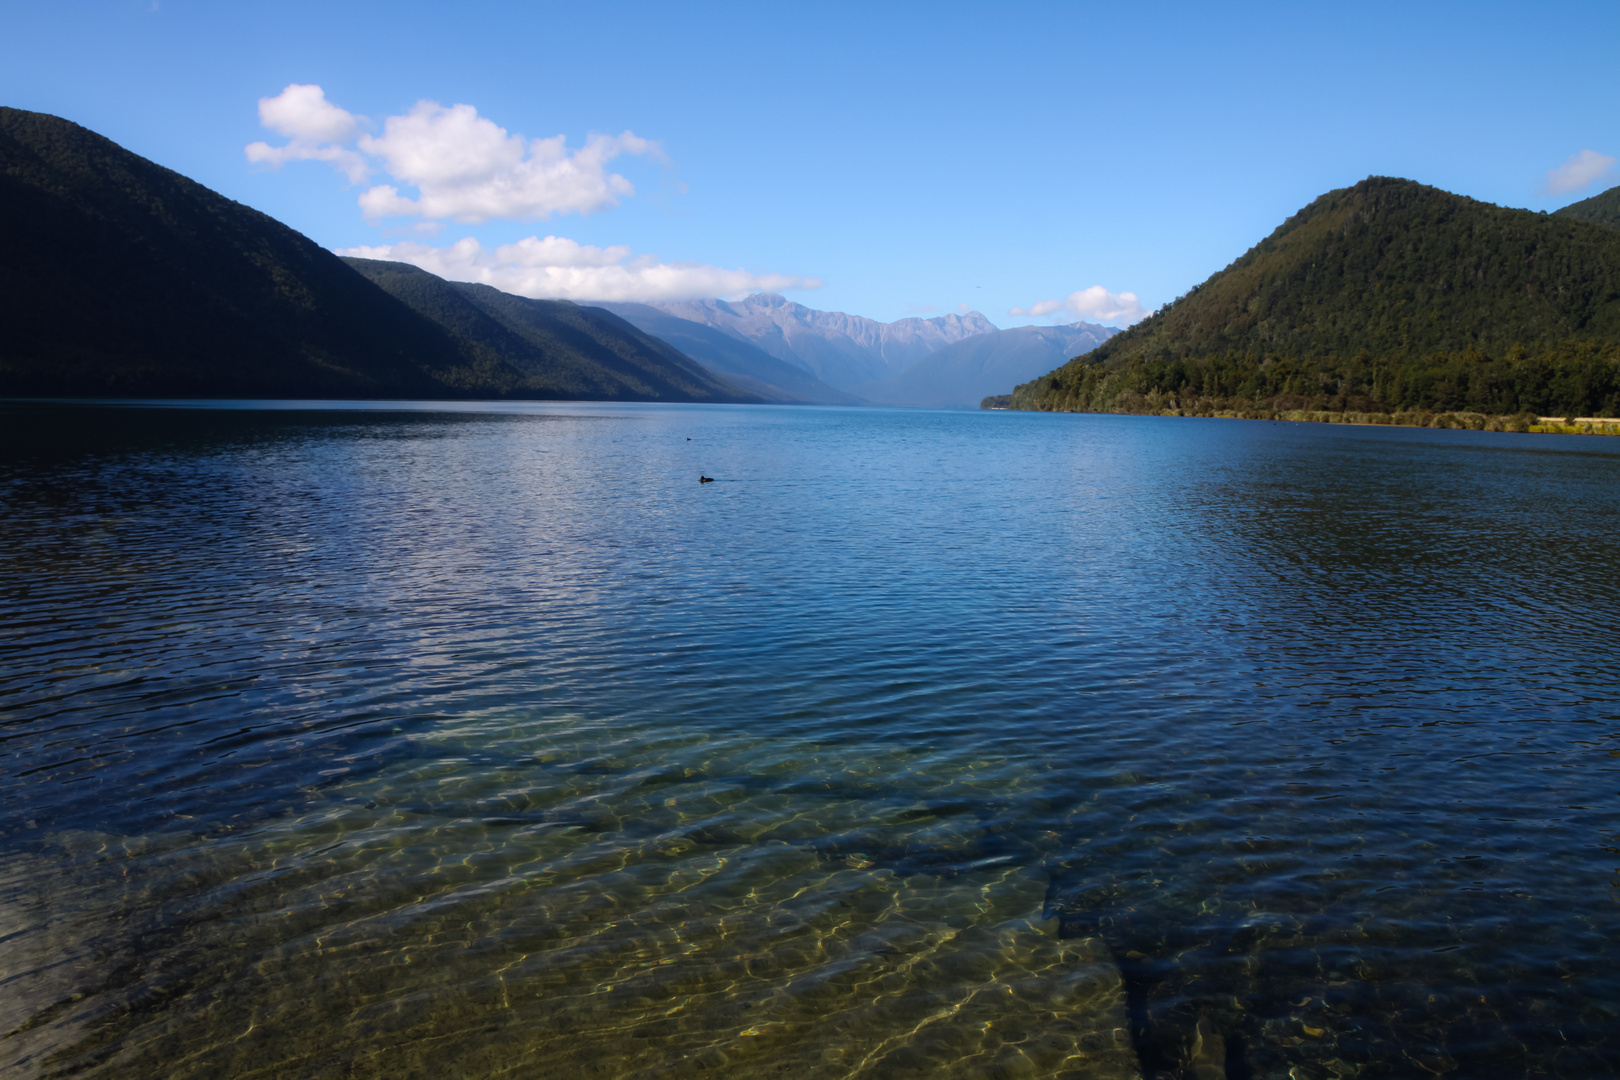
1385,296
1603,209
842,350
739,362
123,278
960,375
548,348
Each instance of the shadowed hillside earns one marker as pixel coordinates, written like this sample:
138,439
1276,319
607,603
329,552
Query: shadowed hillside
1385,296
549,348
124,279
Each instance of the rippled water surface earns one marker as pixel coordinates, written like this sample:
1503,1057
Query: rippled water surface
485,741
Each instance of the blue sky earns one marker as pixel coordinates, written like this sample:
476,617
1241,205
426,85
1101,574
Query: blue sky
906,157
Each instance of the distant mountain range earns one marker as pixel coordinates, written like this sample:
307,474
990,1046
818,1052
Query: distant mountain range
974,360
738,361
962,374
122,278
843,351
1385,296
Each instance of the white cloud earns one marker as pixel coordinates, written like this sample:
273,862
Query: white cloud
554,267
315,129
463,166
1095,304
346,161
469,169
466,168
1580,171
302,112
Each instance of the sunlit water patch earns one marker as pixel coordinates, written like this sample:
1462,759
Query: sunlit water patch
484,741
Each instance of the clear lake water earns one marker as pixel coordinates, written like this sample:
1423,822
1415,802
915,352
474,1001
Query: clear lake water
416,741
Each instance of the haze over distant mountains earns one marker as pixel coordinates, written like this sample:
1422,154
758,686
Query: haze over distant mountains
972,363
964,373
843,351
740,362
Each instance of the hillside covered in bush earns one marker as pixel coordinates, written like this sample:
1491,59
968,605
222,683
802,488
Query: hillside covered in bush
1385,297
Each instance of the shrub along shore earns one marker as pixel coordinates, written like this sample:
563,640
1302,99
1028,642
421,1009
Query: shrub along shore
1527,423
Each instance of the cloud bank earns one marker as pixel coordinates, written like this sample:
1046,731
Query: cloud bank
556,268
1580,171
1095,304
464,167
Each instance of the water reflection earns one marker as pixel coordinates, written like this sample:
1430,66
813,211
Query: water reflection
370,743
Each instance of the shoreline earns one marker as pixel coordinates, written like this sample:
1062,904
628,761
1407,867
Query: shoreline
1456,421
1518,423
1522,424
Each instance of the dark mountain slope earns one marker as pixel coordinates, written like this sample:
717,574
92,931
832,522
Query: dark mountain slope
615,347
1601,209
1387,295
549,348
737,361
121,277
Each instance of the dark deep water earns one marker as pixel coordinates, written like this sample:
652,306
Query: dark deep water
484,741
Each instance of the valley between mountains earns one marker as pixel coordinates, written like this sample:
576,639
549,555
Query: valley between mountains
126,279
1388,301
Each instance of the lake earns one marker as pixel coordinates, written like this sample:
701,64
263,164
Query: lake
382,740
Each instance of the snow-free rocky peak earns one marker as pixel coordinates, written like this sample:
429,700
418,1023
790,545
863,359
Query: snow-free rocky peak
840,349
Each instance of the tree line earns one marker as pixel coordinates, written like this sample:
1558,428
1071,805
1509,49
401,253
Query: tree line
1573,378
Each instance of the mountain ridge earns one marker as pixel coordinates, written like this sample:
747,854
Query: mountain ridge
735,359
1387,295
557,347
123,278
1600,209
840,349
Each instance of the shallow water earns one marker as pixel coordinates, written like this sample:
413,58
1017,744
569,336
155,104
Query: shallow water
484,741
